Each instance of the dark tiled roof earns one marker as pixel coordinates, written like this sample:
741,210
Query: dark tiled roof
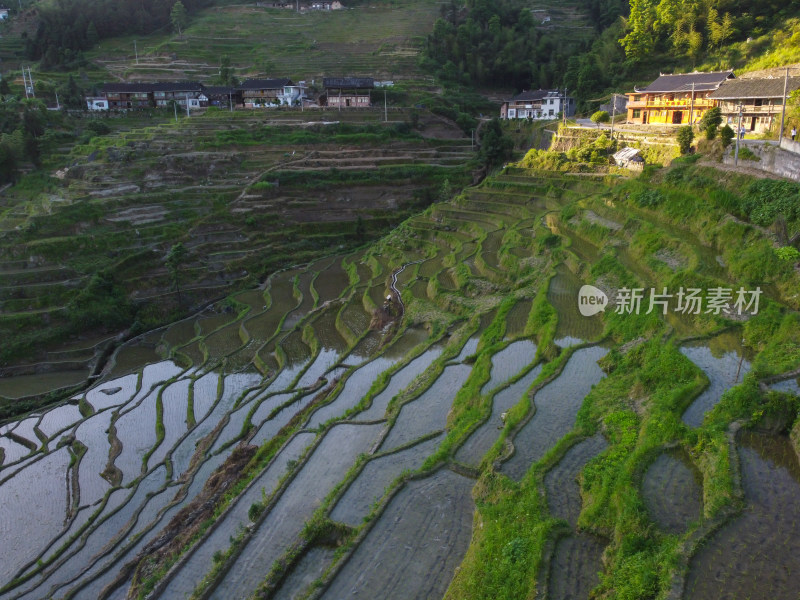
737,89
532,95
127,88
264,84
348,82
133,88
176,86
218,90
703,82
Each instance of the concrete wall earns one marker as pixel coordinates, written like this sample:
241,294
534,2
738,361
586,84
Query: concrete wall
775,160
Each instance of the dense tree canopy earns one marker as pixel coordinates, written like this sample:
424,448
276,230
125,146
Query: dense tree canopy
497,42
65,28
691,27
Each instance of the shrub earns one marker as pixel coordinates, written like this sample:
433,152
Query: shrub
600,116
788,253
711,120
685,139
726,134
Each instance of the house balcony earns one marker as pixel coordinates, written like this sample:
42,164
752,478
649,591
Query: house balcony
681,104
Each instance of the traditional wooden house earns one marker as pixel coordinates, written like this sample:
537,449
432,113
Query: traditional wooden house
221,95
342,92
760,99
537,104
258,93
179,92
128,96
675,99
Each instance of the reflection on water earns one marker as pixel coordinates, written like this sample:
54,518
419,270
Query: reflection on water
573,328
758,554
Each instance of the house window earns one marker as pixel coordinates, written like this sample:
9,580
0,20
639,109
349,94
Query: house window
637,114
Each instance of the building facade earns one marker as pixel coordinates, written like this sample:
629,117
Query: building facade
537,105
261,93
760,101
675,99
347,92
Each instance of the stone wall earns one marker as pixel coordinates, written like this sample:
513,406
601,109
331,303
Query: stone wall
783,161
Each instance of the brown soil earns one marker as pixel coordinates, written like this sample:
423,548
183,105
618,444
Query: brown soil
185,525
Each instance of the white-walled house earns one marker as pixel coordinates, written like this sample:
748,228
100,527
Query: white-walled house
538,105
96,103
293,95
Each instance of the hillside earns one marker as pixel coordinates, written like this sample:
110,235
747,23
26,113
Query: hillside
481,388
244,194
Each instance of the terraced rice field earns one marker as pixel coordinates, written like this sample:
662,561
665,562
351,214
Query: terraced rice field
245,193
311,438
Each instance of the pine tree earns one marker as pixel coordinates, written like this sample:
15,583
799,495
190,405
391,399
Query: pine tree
178,18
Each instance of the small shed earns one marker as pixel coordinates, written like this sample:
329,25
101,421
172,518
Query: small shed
629,158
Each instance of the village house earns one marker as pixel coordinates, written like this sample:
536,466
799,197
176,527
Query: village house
179,92
221,95
342,92
3,14
760,100
675,99
128,96
293,95
538,105
96,103
259,93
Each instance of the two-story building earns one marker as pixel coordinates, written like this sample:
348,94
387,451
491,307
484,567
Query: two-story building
260,93
342,92
538,105
680,99
128,96
179,92
760,101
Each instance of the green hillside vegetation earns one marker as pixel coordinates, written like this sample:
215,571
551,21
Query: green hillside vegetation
243,195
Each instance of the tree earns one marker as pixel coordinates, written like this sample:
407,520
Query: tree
726,134
496,147
600,116
685,138
178,18
710,122
226,76
174,262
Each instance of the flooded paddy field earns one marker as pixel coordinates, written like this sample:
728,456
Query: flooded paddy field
556,405
310,438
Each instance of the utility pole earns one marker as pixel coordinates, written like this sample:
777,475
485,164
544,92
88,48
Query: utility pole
25,83
738,137
58,104
187,105
783,113
175,107
613,113
30,80
385,108
230,99
136,51
564,106
691,111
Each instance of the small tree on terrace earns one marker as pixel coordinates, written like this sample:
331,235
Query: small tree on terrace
685,139
174,262
178,18
600,116
711,122
726,134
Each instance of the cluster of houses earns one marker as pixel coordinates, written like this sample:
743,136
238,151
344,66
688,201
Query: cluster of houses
339,92
305,7
676,100
684,99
